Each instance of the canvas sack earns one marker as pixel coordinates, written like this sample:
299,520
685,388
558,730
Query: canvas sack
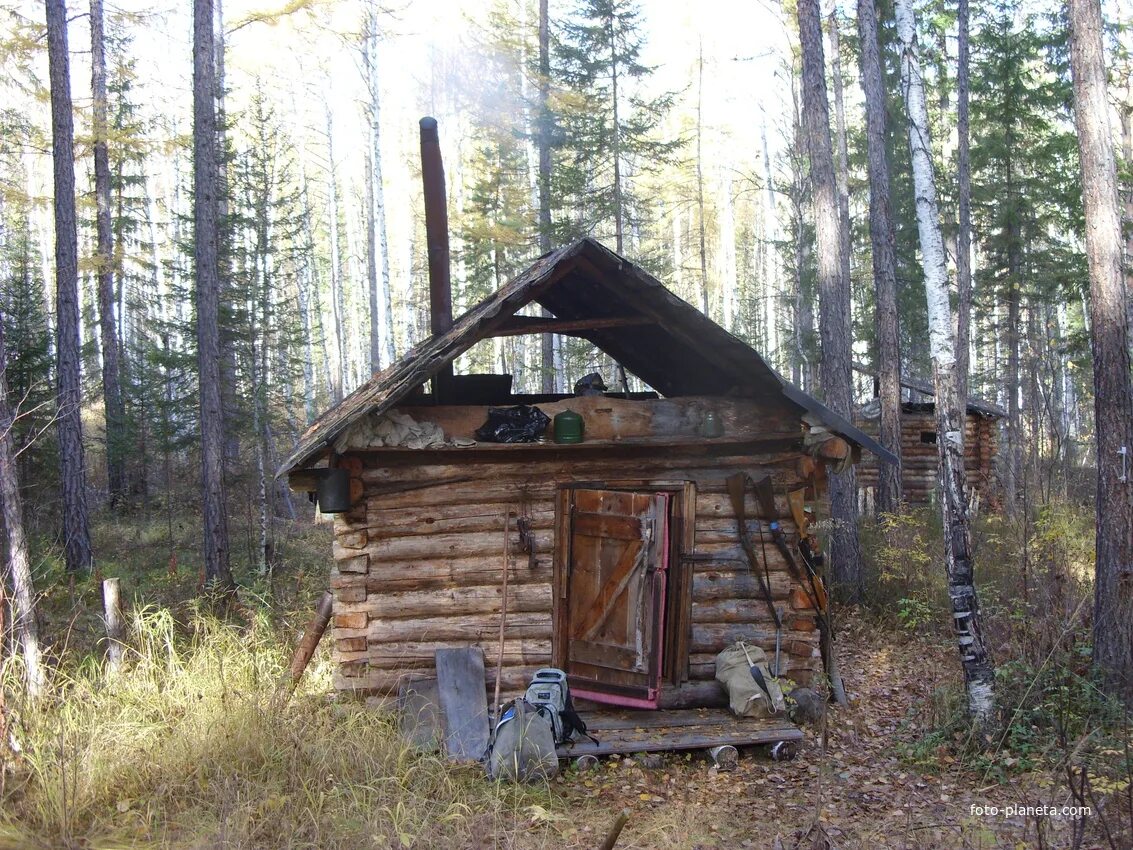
745,697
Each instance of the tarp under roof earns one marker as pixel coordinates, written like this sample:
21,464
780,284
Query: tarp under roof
675,348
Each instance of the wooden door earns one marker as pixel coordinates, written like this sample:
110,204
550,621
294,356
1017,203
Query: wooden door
615,594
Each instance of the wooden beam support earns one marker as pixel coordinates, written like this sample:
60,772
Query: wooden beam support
518,325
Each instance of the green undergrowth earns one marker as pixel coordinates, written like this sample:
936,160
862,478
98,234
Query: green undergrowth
190,745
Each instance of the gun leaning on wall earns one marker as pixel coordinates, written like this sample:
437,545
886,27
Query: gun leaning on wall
809,576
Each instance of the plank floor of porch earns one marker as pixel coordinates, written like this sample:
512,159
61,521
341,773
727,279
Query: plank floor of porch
626,731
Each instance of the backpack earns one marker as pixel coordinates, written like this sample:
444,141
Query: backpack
549,694
522,748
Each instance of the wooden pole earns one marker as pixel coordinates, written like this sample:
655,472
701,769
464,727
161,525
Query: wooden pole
311,637
112,611
503,612
615,830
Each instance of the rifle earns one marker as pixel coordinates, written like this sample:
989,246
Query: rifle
736,492
813,586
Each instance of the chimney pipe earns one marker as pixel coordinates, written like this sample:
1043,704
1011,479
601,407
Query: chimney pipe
436,238
436,228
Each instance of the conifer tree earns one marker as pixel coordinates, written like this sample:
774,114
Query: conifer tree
609,126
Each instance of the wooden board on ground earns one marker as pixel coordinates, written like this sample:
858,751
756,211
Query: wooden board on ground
419,714
463,699
686,729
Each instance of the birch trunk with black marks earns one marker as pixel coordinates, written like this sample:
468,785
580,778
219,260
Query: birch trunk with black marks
888,364
979,674
76,533
104,261
834,296
1109,320
206,267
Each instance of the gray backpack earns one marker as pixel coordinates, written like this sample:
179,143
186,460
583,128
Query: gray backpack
523,746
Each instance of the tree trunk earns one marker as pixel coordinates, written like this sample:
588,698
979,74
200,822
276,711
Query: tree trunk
979,675
834,296
964,188
1113,389
381,303
619,223
337,298
843,160
547,341
206,266
19,563
76,535
108,334
884,262
704,304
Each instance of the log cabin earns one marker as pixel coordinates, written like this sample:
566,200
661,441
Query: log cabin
920,463
618,558
625,566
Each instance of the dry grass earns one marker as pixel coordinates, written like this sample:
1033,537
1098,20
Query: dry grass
184,748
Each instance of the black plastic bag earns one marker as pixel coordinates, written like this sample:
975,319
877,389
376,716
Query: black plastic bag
520,424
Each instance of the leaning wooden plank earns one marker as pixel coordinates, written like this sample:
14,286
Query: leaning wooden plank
419,715
463,699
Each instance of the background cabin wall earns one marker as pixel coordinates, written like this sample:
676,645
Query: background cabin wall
920,462
420,569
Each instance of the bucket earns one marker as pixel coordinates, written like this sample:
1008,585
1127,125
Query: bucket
333,491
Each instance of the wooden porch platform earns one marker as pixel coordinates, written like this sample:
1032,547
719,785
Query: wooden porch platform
626,731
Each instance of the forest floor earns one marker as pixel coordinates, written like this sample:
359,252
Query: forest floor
188,747
865,790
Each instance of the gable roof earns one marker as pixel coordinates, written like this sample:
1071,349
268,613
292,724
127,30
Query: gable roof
976,404
674,347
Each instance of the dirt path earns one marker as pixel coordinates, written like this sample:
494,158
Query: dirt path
861,791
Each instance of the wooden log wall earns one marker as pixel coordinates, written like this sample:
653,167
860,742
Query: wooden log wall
920,462
418,563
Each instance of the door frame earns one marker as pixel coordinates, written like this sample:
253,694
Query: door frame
676,617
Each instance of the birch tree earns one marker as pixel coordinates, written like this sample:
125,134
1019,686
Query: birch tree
76,534
979,675
1109,335
884,261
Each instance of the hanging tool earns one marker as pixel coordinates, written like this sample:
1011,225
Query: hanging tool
737,489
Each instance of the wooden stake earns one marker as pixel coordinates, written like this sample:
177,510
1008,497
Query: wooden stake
503,612
112,611
311,637
615,831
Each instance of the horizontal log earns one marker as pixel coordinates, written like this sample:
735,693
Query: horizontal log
442,546
750,611
386,682
737,582
415,655
451,602
713,637
468,627
475,516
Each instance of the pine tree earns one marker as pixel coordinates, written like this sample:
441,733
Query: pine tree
1113,387
608,125
76,533
206,266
